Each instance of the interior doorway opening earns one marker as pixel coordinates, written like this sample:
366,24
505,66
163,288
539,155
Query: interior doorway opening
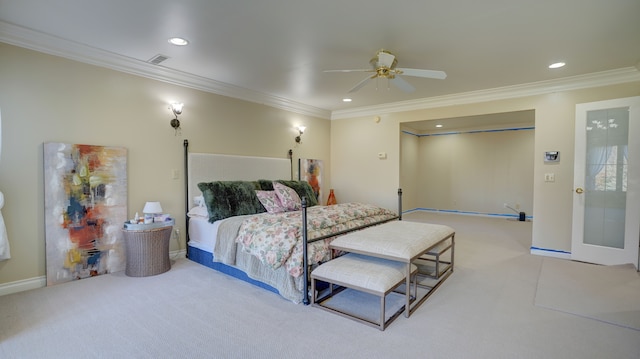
478,165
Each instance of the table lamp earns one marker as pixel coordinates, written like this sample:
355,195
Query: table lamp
149,210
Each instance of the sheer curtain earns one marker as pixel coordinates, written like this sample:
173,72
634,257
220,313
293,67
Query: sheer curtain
5,252
596,159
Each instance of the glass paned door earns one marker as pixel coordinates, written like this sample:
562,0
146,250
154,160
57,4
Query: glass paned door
607,134
606,211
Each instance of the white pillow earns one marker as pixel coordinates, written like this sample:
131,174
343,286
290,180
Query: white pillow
198,211
198,201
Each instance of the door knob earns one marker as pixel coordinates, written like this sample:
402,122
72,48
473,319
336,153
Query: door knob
579,190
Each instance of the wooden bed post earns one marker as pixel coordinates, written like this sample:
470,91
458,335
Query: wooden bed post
305,259
186,196
399,204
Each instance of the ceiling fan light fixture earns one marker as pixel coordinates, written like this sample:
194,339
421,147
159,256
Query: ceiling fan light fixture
383,65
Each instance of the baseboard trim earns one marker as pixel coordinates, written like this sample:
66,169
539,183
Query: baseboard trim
39,282
468,213
550,253
23,285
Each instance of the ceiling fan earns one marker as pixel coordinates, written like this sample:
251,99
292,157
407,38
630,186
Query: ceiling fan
384,66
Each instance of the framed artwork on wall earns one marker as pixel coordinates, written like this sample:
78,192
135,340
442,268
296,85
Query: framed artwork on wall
311,171
85,195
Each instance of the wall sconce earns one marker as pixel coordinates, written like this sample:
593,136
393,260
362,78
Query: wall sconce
176,108
301,130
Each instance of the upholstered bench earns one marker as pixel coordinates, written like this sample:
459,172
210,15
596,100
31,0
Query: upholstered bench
404,242
372,275
434,256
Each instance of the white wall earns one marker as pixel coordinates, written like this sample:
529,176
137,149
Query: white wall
475,171
358,175
49,99
355,142
409,170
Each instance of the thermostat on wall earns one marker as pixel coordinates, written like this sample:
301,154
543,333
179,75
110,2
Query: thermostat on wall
552,156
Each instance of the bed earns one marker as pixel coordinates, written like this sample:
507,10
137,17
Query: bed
231,230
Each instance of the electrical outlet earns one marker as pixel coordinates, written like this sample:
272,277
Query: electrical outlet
518,206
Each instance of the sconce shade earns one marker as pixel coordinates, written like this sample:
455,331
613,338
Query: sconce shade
177,108
152,207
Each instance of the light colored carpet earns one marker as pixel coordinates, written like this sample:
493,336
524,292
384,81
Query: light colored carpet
610,294
484,310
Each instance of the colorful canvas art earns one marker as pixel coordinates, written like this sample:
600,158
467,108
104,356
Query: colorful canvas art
85,196
311,171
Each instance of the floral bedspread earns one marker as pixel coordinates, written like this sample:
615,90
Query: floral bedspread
276,238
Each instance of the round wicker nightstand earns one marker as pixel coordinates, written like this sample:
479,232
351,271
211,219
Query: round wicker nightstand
147,251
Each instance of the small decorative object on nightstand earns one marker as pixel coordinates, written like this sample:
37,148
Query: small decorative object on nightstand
147,248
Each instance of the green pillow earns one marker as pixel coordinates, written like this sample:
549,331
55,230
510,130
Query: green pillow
230,198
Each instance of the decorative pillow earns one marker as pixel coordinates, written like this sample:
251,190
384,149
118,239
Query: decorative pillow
265,185
303,189
270,201
198,211
287,196
198,201
226,199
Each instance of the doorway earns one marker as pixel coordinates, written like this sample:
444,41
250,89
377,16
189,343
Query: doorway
472,165
606,205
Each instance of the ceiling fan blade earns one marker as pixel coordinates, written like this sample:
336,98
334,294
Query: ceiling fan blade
353,70
432,74
385,59
361,83
402,84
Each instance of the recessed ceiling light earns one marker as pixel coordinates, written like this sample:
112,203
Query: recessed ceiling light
438,126
556,65
346,100
178,41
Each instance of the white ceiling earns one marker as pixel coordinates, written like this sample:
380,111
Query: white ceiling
278,49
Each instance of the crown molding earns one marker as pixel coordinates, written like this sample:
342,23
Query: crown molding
45,43
52,45
597,79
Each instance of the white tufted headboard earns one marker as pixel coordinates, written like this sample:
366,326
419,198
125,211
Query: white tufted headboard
205,167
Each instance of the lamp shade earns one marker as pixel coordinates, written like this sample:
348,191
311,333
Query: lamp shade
152,207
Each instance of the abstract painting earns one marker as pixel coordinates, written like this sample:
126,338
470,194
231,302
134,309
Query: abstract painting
85,195
311,171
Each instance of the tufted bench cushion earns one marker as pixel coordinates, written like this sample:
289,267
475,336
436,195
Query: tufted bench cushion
400,240
372,275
